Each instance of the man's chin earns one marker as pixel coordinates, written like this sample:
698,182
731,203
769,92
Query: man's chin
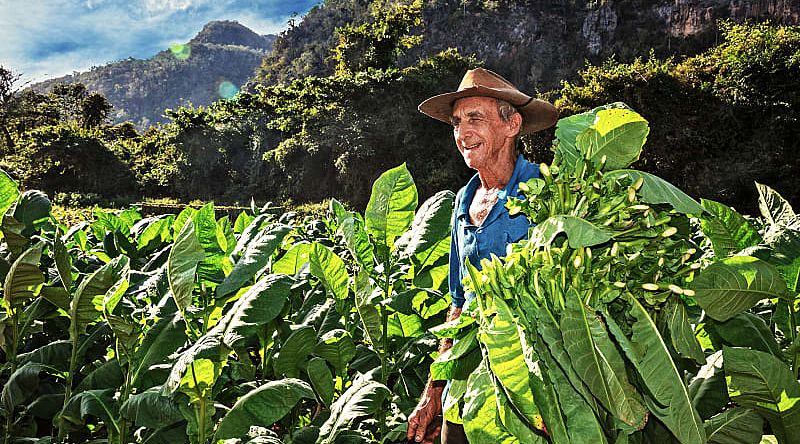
472,162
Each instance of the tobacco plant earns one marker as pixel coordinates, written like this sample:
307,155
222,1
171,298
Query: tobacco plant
582,329
189,328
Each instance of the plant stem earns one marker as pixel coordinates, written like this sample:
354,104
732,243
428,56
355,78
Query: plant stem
793,334
200,410
62,435
12,359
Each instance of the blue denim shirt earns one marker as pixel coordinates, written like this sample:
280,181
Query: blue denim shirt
497,231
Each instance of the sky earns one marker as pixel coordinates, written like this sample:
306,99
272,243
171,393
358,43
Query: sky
41,39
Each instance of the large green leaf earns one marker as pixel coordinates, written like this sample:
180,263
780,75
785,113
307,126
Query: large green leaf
24,279
86,305
617,135
361,399
681,334
293,353
180,220
656,190
668,397
255,257
567,414
598,363
151,409
156,231
13,234
199,379
791,273
126,329
329,268
482,423
506,360
259,305
735,426
54,354
459,360
107,376
32,207
580,232
22,384
430,225
321,379
428,259
262,407
746,330
766,384
776,210
336,347
163,339
213,241
567,131
182,263
391,206
98,403
728,230
733,285
707,389
294,259
208,348
9,191
63,261
355,237
510,418
250,232
367,312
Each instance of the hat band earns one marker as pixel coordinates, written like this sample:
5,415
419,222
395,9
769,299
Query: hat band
524,104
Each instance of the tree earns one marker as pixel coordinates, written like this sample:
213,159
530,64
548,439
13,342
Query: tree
378,44
9,87
94,110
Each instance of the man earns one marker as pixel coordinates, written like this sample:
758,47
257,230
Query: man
487,114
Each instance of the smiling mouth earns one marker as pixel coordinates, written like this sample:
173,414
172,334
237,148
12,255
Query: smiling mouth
472,147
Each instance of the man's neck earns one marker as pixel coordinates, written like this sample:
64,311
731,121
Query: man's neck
497,175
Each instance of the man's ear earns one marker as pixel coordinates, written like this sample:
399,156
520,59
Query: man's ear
515,123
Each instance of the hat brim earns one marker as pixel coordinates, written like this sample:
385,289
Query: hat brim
536,114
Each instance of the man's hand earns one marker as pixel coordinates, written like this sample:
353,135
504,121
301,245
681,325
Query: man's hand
424,424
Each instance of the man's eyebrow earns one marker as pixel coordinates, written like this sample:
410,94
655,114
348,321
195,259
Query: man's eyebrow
455,119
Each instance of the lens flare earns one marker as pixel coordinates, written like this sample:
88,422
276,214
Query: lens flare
227,89
181,51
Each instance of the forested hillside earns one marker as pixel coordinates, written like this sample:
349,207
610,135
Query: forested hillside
722,119
212,65
534,43
641,308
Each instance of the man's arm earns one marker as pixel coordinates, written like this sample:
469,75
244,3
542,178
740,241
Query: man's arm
422,426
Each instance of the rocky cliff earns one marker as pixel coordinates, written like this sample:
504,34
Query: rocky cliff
534,43
213,64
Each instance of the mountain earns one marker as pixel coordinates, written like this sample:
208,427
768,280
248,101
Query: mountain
534,43
213,64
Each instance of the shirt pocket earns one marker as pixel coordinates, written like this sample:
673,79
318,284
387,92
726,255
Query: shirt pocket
517,230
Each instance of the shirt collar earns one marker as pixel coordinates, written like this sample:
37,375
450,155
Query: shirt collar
511,189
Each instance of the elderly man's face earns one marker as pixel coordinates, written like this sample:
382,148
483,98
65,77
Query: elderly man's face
482,137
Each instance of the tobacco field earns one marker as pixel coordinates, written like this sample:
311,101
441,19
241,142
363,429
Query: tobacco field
632,314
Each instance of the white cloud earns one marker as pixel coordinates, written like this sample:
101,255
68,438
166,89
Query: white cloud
49,38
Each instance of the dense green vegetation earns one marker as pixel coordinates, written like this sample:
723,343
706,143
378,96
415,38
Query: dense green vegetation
721,120
620,319
184,327
626,316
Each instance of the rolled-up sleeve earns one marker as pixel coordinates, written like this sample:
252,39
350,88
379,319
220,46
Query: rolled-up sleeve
456,289
454,278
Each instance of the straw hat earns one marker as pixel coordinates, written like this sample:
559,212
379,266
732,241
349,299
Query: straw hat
536,114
